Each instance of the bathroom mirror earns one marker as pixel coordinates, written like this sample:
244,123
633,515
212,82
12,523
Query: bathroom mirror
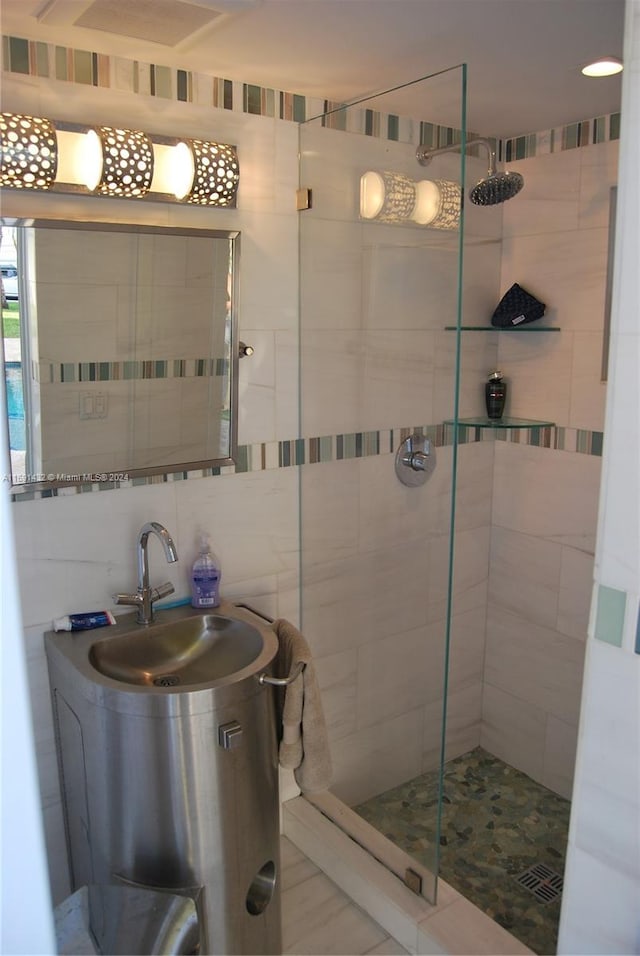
120,350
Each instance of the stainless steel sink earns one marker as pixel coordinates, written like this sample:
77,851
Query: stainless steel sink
167,741
197,650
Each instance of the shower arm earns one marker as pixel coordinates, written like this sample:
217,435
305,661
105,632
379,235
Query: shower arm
424,154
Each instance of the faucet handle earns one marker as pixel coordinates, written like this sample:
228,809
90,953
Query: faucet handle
162,591
132,599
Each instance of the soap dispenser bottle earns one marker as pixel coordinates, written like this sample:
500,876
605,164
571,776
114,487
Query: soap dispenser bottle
205,577
495,393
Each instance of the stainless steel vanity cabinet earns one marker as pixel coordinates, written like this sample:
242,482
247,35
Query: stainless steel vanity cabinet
169,784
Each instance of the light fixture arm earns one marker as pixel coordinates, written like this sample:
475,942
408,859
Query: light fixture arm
424,154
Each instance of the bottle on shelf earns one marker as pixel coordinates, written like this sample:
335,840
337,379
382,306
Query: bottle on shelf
495,393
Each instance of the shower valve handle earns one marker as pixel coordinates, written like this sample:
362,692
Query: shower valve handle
415,460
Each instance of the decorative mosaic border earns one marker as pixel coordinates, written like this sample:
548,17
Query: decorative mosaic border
53,373
267,456
49,61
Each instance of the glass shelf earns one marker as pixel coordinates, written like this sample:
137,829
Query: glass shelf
504,422
529,327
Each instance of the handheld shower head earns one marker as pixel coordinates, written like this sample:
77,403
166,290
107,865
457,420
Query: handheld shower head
494,188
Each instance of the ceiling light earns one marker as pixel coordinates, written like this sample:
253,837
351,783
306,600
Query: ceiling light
605,66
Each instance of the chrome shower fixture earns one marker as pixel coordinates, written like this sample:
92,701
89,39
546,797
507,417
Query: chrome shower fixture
495,188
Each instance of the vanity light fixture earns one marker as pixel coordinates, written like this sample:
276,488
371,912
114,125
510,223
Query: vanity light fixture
392,197
120,162
216,174
28,151
37,153
605,66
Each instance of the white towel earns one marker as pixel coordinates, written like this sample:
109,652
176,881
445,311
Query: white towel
304,745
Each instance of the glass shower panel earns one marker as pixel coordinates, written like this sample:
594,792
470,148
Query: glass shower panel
381,279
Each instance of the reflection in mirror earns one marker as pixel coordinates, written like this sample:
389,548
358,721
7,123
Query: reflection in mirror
119,350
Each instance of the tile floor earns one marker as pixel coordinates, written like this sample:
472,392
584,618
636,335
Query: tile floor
497,824
318,918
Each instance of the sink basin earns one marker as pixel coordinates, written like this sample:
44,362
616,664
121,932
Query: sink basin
197,650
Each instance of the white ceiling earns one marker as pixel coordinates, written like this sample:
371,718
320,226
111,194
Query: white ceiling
523,56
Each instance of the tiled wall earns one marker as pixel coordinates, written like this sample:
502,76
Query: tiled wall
545,504
369,331
602,876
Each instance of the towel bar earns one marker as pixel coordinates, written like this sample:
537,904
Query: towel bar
283,681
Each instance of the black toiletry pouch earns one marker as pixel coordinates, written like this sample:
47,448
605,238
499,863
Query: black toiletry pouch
516,307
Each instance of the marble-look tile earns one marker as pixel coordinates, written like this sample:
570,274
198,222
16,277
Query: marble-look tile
364,598
474,483
268,285
329,497
257,390
252,519
559,756
534,664
398,377
466,648
478,355
537,371
331,267
295,867
392,513
461,928
598,173
591,883
549,201
470,577
605,801
463,723
619,533
574,595
481,277
588,392
377,758
399,673
337,678
524,575
388,947
408,286
332,368
318,917
535,493
564,269
513,730
287,367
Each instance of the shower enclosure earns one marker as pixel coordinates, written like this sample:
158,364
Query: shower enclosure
399,279
383,296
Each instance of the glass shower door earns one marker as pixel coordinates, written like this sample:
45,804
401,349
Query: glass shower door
381,279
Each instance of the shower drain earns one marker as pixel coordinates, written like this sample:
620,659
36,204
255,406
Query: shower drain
543,882
167,680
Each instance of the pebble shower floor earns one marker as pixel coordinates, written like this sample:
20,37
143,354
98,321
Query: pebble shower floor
502,843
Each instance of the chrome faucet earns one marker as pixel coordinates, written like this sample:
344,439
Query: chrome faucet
146,595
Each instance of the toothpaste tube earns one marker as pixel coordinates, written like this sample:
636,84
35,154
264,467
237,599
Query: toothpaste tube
84,622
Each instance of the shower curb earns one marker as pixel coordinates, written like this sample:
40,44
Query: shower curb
452,926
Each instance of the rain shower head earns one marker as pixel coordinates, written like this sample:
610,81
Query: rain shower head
495,188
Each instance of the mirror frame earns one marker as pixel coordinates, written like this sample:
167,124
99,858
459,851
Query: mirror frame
170,468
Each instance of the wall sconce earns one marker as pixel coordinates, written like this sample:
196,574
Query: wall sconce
37,153
391,197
